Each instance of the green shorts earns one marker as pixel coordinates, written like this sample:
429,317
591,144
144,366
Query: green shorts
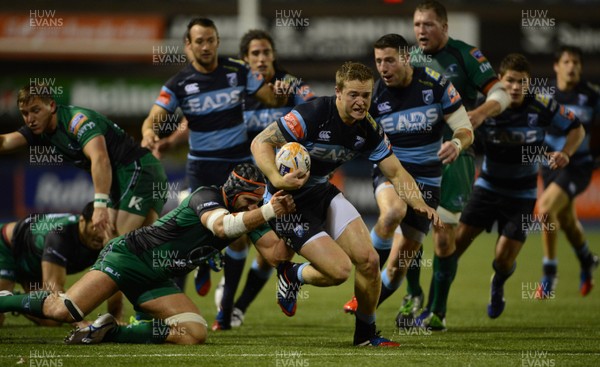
140,186
457,183
8,265
136,279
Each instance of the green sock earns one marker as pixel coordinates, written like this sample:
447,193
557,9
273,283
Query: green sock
144,332
29,303
413,274
444,271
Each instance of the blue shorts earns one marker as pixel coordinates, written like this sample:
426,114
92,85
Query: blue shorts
209,173
512,214
573,179
309,219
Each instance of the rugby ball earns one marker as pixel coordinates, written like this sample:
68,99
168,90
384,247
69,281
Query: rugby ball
291,157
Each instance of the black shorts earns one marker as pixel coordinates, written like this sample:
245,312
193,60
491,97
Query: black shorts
512,214
431,196
573,179
310,216
209,173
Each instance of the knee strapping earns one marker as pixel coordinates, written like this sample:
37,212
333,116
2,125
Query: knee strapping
186,317
75,311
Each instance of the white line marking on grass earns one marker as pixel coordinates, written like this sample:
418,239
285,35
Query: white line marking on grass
305,355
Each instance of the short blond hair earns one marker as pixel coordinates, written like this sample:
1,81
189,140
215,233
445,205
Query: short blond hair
34,90
352,71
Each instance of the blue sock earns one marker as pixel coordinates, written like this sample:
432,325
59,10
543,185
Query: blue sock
382,246
388,287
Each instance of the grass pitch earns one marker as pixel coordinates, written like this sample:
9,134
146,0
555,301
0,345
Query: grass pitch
563,331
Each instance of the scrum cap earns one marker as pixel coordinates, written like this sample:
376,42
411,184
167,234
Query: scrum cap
245,179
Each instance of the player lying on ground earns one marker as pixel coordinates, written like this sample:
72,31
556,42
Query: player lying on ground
142,264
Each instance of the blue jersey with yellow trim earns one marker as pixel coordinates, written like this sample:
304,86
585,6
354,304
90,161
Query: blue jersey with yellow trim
584,102
212,104
257,116
513,145
317,125
413,119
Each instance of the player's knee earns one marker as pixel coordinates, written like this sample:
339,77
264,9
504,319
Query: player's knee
195,334
368,264
339,273
391,218
55,309
187,328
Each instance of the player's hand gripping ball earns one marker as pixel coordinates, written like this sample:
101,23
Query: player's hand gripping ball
292,157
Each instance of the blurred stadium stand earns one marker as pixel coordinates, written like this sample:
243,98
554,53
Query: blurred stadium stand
113,56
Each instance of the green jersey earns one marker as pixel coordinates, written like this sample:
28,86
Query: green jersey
53,238
171,243
464,65
76,126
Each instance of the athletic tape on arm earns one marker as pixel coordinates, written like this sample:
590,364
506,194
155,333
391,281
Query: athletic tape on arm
233,225
460,120
216,214
498,94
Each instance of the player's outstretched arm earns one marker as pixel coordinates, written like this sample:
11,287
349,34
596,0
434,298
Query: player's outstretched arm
101,170
561,159
273,95
232,225
461,139
12,142
150,126
497,100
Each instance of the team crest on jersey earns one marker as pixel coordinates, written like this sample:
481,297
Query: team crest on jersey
232,79
359,143
582,99
532,119
427,96
451,71
192,88
478,55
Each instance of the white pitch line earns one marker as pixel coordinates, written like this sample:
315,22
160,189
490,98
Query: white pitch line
286,355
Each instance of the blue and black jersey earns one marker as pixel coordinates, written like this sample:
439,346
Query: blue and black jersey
584,102
257,116
212,104
413,119
317,125
513,145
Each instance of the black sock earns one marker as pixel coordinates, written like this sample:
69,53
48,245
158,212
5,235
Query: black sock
385,293
254,283
500,276
383,256
363,331
233,272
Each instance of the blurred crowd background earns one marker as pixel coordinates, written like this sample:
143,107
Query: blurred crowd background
114,56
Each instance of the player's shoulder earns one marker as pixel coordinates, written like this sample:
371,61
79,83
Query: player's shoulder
317,106
74,117
469,52
428,74
204,198
542,102
591,88
233,64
